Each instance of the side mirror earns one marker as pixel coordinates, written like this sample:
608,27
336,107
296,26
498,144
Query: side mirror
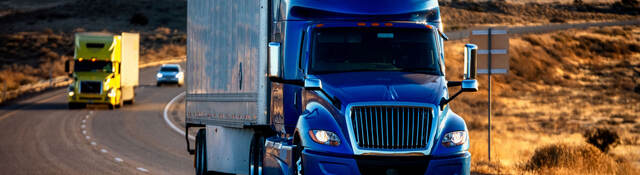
470,61
274,59
312,84
68,67
469,85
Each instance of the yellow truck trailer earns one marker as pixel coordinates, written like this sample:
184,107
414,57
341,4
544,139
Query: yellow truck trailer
104,69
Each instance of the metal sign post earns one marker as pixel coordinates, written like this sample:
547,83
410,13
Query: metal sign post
489,90
494,43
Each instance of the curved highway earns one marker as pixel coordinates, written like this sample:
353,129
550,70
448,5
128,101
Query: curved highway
41,136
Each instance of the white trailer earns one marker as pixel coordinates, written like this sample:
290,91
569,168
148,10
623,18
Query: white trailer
226,79
130,58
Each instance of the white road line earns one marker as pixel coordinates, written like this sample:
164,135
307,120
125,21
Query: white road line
142,169
166,116
87,137
82,126
103,150
118,159
84,121
84,132
90,112
93,143
86,116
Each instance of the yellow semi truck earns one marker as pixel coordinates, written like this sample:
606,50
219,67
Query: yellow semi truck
104,69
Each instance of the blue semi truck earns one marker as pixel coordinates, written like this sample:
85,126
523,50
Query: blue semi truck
323,87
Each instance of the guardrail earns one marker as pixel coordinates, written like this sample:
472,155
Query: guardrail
61,81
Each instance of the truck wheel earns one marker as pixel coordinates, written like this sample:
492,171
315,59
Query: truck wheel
120,101
132,101
256,155
298,169
201,153
72,106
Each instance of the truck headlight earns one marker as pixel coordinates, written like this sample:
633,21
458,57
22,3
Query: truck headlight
324,137
71,93
454,138
112,93
159,75
106,83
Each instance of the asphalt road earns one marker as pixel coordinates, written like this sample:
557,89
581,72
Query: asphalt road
41,136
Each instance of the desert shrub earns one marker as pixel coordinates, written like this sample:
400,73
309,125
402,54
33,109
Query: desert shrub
630,3
578,158
139,19
602,138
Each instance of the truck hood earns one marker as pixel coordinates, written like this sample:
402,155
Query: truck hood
355,87
94,76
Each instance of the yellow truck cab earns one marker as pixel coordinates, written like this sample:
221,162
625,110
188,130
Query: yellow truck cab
104,69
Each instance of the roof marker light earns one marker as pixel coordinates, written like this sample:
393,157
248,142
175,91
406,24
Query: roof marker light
93,59
362,24
429,26
80,59
375,24
388,24
319,25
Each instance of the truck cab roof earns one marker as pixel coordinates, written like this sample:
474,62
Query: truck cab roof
387,10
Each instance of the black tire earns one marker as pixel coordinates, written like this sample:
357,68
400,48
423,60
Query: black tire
256,155
72,106
201,152
158,84
297,156
76,105
132,101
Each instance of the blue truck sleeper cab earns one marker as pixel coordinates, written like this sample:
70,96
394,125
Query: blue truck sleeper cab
375,108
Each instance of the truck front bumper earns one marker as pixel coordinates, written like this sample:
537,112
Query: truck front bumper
91,99
318,163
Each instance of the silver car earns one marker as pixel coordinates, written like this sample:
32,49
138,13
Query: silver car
170,74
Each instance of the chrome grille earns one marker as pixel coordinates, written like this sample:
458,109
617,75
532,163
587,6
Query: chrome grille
93,87
391,127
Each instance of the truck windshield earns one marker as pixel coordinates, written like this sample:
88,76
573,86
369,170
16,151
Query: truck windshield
374,49
93,66
169,69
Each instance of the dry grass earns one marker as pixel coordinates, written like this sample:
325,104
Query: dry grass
559,84
466,14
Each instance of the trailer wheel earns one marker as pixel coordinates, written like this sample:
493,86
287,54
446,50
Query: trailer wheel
201,153
256,155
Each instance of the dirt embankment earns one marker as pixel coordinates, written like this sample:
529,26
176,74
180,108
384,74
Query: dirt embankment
559,85
465,14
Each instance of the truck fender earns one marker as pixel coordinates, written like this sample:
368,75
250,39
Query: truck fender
451,122
317,117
